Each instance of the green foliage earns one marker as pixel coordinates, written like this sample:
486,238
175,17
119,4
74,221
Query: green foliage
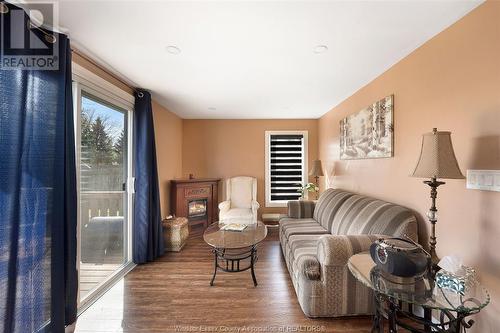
309,187
118,148
98,146
101,143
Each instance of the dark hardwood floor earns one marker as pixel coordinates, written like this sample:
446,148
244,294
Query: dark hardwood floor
173,295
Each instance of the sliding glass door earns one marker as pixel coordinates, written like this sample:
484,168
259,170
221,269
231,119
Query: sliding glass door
103,134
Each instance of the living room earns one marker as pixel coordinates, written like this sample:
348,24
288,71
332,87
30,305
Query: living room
264,166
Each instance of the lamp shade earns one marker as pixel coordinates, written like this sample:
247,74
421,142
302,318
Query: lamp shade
437,158
317,169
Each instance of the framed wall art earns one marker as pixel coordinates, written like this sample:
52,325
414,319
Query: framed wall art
368,133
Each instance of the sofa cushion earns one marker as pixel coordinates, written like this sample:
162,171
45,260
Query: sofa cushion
302,245
291,227
301,209
328,204
363,215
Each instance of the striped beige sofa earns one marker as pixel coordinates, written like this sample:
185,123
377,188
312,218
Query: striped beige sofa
318,239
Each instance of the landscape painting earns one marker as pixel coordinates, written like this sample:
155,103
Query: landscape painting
368,133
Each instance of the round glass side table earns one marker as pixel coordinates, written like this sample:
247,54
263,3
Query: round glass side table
417,305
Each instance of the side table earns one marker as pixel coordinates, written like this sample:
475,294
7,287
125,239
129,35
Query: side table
175,233
417,305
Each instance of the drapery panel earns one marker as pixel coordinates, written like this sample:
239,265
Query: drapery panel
38,277
147,230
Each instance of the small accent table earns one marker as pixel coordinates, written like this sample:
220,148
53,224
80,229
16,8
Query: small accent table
235,251
175,233
271,219
401,301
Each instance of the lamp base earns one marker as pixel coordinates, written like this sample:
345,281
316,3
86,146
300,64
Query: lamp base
432,216
316,178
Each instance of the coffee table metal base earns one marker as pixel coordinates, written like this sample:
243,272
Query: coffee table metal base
235,261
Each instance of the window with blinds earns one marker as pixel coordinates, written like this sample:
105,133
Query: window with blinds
285,165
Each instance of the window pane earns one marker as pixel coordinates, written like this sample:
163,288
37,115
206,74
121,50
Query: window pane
103,199
102,238
103,146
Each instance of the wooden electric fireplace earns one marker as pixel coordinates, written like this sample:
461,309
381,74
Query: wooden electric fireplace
196,199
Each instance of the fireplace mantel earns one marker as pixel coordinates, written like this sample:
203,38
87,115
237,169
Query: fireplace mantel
195,193
195,180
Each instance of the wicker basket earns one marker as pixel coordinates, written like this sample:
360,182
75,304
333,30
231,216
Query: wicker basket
175,233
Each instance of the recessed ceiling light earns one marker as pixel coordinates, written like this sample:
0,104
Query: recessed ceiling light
320,49
172,49
212,108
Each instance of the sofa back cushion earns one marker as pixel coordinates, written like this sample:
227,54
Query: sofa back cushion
364,215
328,204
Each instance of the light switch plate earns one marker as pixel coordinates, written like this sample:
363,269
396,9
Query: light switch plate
486,180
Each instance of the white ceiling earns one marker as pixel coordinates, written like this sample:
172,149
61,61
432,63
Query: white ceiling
254,59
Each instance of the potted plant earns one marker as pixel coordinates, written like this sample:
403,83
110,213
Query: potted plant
309,187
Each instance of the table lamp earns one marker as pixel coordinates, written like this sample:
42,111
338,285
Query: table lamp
437,161
316,171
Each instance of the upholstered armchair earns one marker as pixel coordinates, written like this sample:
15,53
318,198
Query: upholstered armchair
241,200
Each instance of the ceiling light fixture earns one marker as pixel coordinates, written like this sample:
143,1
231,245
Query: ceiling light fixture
320,49
172,49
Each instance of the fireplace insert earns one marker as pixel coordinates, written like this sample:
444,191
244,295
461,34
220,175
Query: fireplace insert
197,208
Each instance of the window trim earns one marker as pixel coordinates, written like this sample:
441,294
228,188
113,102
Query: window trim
305,134
104,89
85,80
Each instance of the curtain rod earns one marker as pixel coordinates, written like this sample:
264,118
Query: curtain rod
48,34
51,38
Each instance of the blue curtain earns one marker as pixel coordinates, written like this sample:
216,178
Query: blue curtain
38,278
147,236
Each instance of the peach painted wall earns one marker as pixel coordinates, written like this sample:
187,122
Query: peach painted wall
226,148
452,82
168,132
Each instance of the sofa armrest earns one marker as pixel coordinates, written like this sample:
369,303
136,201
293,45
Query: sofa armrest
309,267
224,206
335,250
301,209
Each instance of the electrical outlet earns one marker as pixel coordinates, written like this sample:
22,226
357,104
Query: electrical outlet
486,180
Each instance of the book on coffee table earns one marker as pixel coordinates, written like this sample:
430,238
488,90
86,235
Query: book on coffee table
234,227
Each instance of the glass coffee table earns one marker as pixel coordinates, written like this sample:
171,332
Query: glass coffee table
399,300
235,251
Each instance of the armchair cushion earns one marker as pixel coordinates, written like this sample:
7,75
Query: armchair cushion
300,209
241,192
236,213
